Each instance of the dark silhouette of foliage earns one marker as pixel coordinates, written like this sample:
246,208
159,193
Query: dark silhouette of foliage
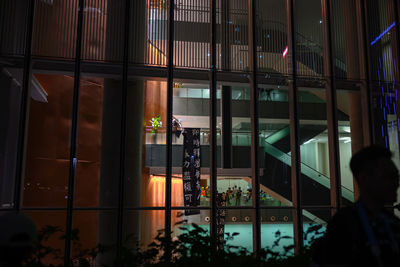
192,247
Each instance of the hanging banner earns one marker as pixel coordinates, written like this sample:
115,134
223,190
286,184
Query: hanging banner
221,202
191,169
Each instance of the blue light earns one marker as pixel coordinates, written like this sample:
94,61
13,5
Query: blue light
379,77
383,33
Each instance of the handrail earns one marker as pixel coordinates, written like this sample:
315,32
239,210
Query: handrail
307,170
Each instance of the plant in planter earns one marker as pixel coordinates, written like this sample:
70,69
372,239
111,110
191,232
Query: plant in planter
156,123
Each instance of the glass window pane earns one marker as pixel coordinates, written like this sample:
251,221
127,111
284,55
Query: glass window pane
94,228
142,226
103,34
241,222
309,47
145,167
277,224
180,219
314,148
54,28
149,32
232,35
190,113
13,14
346,43
192,34
48,145
273,55
99,135
10,99
274,134
315,222
51,223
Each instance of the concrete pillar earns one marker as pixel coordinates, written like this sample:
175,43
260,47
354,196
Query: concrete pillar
111,126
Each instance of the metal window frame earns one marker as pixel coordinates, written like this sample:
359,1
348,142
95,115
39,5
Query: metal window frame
74,137
24,110
331,106
254,114
121,185
170,81
294,117
294,131
213,117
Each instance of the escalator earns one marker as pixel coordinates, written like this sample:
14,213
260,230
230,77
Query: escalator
315,186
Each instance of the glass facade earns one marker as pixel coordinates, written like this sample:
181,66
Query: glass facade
97,99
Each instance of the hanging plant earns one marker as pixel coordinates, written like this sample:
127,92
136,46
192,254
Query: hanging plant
156,123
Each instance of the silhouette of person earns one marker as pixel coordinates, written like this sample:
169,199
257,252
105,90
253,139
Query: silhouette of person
365,234
17,234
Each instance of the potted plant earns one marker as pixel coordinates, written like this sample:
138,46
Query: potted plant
156,123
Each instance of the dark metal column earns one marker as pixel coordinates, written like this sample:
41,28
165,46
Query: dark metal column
170,81
254,126
24,109
74,135
226,133
121,185
294,132
331,106
213,118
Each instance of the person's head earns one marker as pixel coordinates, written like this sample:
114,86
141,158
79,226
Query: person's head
376,174
17,236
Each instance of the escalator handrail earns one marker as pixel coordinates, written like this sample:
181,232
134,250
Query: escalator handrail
325,181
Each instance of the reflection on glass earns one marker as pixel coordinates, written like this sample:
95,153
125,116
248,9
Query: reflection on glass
98,147
48,146
10,98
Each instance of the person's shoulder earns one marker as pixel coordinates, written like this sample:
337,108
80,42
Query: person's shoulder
393,219
345,216
345,212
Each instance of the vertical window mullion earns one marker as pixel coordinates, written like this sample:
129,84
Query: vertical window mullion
121,184
254,125
213,119
74,135
331,106
294,131
24,108
169,118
